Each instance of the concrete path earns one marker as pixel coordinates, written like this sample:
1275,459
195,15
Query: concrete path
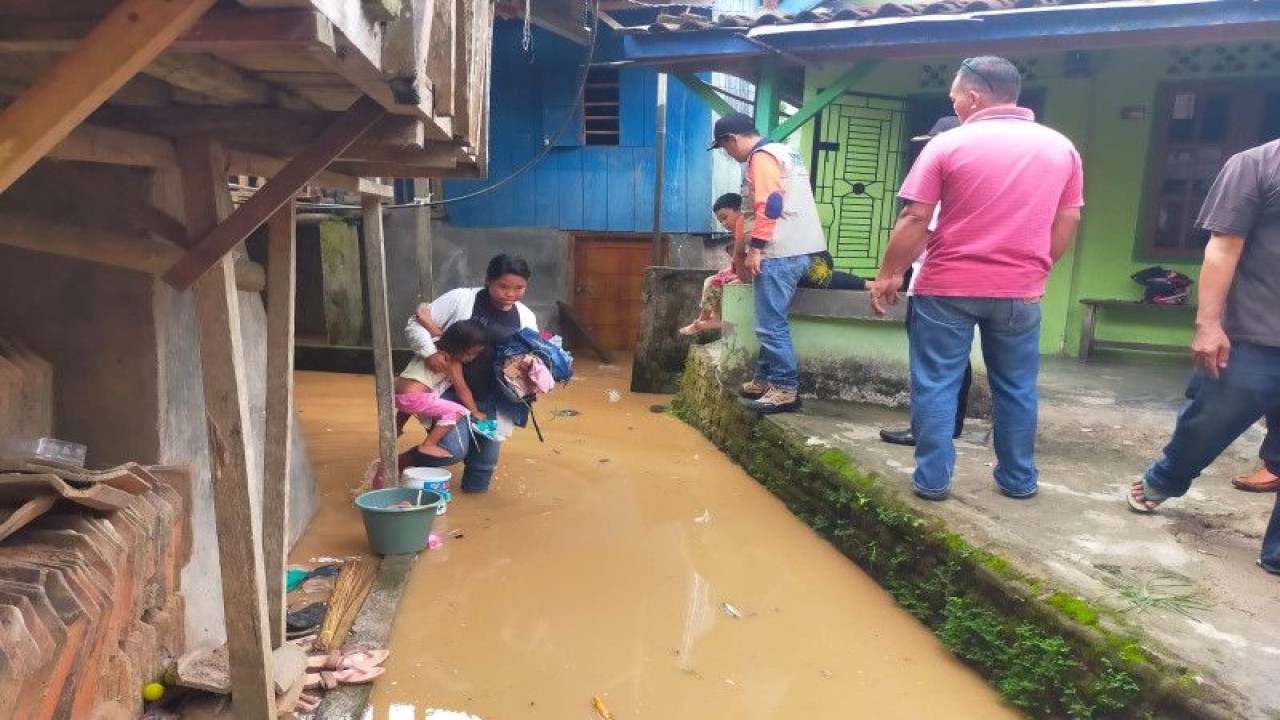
1185,577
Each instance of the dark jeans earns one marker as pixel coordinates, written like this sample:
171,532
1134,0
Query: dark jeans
1217,412
962,398
478,453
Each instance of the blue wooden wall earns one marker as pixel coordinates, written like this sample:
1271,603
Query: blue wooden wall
592,188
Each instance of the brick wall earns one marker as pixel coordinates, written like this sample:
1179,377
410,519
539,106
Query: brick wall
90,608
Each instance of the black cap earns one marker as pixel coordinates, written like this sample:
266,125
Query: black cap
732,124
944,123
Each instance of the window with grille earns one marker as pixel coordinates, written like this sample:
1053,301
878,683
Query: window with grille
1198,125
601,107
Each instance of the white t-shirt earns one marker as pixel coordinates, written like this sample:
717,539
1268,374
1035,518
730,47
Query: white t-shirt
919,263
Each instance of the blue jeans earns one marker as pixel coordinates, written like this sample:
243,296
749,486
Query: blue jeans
479,453
1218,412
941,331
774,288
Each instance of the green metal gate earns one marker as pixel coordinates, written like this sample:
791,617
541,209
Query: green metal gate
858,161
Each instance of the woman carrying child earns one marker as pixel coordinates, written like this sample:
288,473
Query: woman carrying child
496,309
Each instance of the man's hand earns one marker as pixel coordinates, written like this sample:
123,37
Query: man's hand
884,292
1211,349
438,362
752,263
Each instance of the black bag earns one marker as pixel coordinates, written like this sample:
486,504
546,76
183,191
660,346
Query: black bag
1163,287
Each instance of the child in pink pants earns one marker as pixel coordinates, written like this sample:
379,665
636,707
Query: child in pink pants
419,388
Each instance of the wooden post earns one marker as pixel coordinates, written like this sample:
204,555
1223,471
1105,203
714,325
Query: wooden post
281,284
237,510
766,109
375,268
120,45
422,249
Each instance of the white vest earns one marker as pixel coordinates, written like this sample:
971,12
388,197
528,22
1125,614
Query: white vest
799,230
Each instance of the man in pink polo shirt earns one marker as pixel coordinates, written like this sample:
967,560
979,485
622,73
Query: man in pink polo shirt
1011,192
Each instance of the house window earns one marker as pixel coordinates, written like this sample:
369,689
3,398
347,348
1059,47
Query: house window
600,107
1198,125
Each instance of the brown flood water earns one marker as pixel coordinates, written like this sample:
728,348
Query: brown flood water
600,564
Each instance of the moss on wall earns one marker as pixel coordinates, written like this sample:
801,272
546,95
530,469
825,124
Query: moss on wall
1046,651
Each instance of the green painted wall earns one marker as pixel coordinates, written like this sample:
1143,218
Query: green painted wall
1115,152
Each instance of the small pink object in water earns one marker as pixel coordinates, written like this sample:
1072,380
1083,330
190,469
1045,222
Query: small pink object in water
434,542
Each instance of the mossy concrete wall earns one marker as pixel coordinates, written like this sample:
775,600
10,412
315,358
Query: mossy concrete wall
670,299
1050,654
845,351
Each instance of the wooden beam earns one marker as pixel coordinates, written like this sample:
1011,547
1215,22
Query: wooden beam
816,104
114,248
393,170
442,57
237,510
446,155
124,42
89,143
222,29
375,270
265,166
281,289
269,130
219,80
706,92
280,189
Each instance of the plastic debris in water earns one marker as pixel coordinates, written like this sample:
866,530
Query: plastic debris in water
614,395
704,518
731,611
565,413
601,709
434,542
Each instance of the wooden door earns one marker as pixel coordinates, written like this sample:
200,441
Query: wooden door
608,277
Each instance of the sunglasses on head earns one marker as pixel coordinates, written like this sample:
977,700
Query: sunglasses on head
967,64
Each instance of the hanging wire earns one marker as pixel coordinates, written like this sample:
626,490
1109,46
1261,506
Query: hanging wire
594,20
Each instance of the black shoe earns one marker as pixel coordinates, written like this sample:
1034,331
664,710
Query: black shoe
898,437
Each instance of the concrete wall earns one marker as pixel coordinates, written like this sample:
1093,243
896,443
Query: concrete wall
671,299
127,383
460,256
184,440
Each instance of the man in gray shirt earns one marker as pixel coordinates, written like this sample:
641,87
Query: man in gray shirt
1237,340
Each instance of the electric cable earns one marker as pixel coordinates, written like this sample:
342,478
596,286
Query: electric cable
564,124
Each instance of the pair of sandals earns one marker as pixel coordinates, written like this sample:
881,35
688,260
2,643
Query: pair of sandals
1143,499
354,667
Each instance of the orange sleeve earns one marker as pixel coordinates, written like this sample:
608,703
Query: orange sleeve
766,195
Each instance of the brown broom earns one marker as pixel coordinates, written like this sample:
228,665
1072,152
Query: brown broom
349,593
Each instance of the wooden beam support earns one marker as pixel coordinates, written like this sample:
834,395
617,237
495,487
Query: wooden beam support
280,189
281,289
219,80
706,92
89,143
115,248
267,130
442,56
375,268
767,107
124,42
221,30
820,101
237,510
258,165
394,170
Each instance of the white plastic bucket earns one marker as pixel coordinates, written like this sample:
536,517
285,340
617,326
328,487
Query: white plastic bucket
429,478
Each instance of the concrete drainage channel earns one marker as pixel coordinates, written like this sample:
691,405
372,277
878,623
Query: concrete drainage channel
1046,650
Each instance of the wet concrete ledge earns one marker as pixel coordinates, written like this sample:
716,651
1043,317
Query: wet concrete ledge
1049,652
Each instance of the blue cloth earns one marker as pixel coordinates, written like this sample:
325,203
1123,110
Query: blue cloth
941,331
1217,412
774,288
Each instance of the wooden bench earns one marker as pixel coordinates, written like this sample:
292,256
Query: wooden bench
1090,320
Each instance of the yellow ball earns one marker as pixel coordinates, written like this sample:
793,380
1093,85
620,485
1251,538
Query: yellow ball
152,692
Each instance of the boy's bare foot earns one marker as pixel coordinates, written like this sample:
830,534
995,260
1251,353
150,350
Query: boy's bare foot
699,325
430,448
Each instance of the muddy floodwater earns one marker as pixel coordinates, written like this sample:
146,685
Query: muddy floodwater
626,559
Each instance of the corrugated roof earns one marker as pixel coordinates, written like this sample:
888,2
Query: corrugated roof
837,11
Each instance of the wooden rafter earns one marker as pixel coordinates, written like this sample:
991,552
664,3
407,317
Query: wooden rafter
281,188
219,80
124,42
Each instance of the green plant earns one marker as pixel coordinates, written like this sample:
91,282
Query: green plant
1161,591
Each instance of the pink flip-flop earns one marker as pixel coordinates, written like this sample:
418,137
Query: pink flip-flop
359,657
349,676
